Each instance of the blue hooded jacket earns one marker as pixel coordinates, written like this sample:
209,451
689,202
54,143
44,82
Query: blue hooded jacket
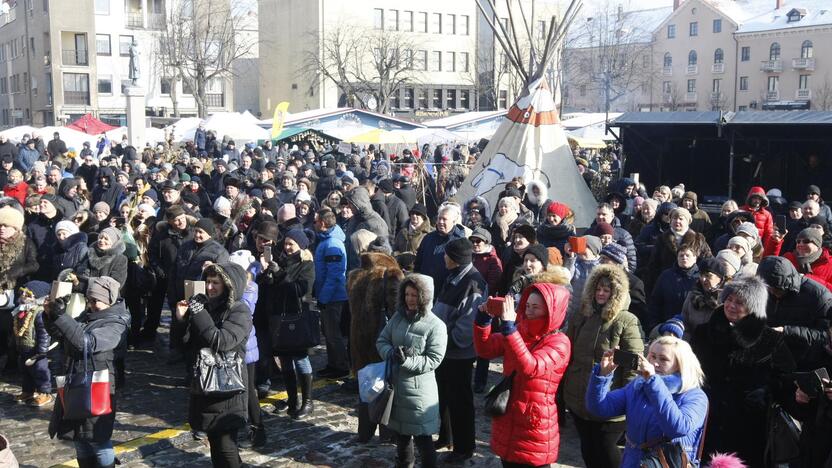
331,266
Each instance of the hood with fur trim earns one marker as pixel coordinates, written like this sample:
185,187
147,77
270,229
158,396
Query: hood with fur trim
544,192
422,283
619,297
233,276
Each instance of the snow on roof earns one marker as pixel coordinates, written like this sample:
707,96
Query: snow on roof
588,119
641,24
468,118
813,12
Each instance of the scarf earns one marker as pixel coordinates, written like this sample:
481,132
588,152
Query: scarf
533,329
673,382
804,263
504,223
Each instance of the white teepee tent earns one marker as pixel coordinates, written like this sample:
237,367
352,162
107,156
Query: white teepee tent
530,142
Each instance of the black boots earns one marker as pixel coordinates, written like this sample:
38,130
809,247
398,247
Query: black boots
256,437
306,406
291,404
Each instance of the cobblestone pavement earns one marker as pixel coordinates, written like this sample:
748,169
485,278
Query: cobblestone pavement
150,429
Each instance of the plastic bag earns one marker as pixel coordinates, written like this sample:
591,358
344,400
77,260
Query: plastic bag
76,305
371,381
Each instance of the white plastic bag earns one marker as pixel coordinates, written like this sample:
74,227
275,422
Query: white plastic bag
371,381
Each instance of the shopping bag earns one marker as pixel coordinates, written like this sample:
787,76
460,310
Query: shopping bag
371,381
84,394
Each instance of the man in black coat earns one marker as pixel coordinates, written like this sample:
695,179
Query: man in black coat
42,232
56,146
396,208
405,191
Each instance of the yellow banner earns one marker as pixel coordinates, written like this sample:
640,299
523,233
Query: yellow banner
280,113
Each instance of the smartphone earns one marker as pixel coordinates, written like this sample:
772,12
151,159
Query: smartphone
120,221
192,288
578,245
494,306
267,253
780,222
625,359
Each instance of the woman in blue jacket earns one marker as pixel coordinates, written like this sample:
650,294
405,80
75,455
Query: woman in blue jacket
665,402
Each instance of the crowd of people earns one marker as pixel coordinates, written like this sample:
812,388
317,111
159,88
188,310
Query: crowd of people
657,325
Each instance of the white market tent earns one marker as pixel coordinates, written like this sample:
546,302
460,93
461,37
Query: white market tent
152,135
16,134
72,138
230,124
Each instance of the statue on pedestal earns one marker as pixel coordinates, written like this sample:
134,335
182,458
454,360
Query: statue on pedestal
134,73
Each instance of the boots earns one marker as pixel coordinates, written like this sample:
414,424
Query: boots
88,462
291,382
256,437
306,406
366,429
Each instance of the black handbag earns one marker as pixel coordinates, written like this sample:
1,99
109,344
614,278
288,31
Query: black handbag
381,407
783,444
218,373
296,331
665,454
84,394
496,401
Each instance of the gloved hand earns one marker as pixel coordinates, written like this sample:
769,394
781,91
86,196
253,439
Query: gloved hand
399,354
58,307
197,303
274,267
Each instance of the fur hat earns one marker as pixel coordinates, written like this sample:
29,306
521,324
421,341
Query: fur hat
712,265
420,210
751,291
527,231
461,250
380,245
173,211
11,217
104,289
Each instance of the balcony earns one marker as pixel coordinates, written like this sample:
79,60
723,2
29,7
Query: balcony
772,66
690,96
772,95
693,69
78,98
77,57
803,94
135,20
215,100
156,21
718,68
667,71
807,64
716,96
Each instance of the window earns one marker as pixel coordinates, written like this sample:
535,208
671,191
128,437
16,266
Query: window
77,82
394,100
102,7
541,30
422,22
582,90
105,85
408,98
742,108
745,54
436,61
450,99
378,18
773,83
407,21
691,86
794,15
743,83
803,83
464,99
645,61
717,26
392,20
666,88
437,99
450,61
4,85
807,50
124,43
692,58
423,98
502,102
774,51
407,59
503,62
464,25
716,85
694,29
436,23
450,24
164,86
463,61
671,31
421,60
719,56
186,88
668,59
102,44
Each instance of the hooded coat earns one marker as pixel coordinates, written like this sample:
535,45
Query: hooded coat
537,205
596,330
528,433
71,253
365,218
762,217
701,221
19,261
372,293
284,292
430,256
821,269
649,235
331,266
698,307
669,293
224,325
409,239
111,262
554,235
67,204
424,338
163,247
110,194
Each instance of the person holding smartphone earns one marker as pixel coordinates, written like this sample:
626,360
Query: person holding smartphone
665,402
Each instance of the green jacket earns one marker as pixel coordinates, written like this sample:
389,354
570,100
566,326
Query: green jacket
424,338
594,332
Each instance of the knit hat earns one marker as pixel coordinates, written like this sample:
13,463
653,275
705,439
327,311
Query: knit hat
244,258
101,207
111,233
527,231
460,251
11,217
68,226
813,189
286,212
420,210
682,213
268,230
38,288
751,231
151,193
555,257
675,326
386,186
539,251
190,198
481,233
604,229
615,252
795,204
300,238
740,241
207,225
712,265
731,258
559,209
104,289
222,206
593,244
813,235
380,245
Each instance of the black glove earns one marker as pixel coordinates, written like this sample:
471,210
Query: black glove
274,267
399,355
58,307
196,303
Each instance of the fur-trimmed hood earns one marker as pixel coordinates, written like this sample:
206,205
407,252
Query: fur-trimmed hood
620,294
544,192
424,284
232,275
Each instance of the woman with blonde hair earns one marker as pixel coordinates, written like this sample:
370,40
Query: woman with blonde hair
664,403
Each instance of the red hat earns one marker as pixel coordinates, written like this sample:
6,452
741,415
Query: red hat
604,228
559,209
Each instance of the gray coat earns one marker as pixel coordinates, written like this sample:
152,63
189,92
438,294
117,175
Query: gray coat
424,338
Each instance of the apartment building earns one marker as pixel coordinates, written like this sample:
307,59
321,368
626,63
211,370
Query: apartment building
60,59
453,62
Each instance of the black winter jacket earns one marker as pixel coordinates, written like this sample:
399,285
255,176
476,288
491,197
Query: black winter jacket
42,233
71,253
189,263
163,248
110,262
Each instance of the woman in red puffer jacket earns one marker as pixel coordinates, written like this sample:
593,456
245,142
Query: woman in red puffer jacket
532,347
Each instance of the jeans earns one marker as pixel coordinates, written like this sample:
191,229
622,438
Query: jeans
456,404
336,344
599,442
300,364
102,452
224,451
36,378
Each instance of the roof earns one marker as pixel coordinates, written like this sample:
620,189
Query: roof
90,125
675,118
465,120
779,118
587,119
639,23
815,13
309,117
782,118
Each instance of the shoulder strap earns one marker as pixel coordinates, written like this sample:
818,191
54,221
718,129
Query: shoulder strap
702,438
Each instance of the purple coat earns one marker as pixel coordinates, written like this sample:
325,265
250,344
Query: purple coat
250,299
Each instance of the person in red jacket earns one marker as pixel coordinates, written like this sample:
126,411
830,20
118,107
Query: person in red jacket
488,263
16,187
756,203
536,353
810,258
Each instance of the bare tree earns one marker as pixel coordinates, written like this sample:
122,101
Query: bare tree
368,67
672,97
822,95
200,43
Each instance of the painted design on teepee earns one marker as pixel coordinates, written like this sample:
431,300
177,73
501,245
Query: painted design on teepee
501,169
536,106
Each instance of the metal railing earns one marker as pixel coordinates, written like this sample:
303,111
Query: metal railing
77,97
135,19
215,100
690,97
718,68
667,71
807,64
74,57
804,94
693,69
772,95
716,96
774,66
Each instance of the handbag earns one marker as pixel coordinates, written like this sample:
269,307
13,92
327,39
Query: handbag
664,454
218,373
783,444
85,394
296,331
382,405
496,400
